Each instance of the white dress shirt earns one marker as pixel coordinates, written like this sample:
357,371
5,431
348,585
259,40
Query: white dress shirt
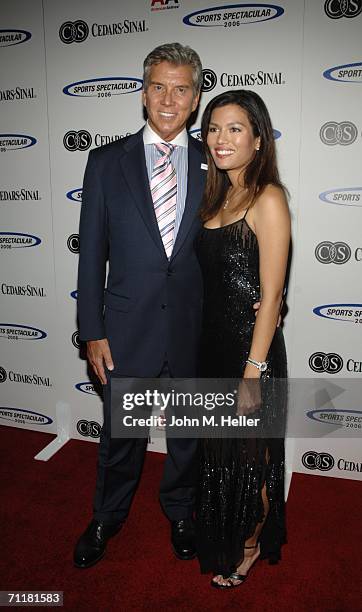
179,159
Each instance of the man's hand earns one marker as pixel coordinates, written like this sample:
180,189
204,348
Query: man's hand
98,353
256,307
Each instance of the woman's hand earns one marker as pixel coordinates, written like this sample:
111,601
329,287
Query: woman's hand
249,394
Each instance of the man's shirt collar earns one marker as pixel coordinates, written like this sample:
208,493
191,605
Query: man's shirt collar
150,137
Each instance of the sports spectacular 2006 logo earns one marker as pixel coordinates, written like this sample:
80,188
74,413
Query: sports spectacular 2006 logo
13,331
351,313
233,15
17,240
103,87
86,387
75,195
15,142
346,73
343,418
8,38
343,196
23,416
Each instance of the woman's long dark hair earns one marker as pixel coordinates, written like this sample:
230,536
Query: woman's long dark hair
262,169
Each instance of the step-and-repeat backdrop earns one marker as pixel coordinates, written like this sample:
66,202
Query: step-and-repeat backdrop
71,79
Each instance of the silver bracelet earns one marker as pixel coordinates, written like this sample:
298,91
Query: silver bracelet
261,365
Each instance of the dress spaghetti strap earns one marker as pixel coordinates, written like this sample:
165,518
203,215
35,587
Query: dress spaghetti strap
246,212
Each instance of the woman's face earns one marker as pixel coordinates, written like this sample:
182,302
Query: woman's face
230,138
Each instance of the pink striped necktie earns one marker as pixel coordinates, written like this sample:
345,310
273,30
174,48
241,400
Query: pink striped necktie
164,192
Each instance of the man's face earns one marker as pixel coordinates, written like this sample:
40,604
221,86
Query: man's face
169,99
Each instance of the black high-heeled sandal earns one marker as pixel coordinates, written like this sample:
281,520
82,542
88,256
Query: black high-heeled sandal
234,576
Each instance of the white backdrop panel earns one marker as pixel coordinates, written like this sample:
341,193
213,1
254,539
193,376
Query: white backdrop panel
27,343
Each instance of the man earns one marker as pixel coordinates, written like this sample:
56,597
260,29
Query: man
140,202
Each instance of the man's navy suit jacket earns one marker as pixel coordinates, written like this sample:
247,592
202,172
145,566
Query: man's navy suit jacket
151,308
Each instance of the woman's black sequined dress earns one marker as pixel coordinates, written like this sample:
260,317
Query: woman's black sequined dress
233,471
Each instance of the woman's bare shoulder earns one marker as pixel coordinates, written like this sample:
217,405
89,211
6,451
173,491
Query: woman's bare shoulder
272,199
271,207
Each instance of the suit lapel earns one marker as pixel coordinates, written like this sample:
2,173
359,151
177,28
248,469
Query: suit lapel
133,164
195,186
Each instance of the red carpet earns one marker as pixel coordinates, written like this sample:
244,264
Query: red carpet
45,506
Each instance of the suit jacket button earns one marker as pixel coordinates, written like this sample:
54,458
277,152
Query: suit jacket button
163,306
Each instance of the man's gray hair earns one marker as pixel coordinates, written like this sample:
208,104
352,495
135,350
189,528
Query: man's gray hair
177,54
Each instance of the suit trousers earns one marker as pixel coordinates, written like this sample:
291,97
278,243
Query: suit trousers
120,463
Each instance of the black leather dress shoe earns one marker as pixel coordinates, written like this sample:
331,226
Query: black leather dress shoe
183,539
91,545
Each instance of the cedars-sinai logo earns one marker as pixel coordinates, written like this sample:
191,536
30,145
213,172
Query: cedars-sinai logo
90,429
73,32
328,252
73,243
318,461
75,339
233,15
321,362
209,80
75,140
342,133
336,9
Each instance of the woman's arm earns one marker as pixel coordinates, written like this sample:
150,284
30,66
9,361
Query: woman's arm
270,220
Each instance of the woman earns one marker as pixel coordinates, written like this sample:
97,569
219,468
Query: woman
243,250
